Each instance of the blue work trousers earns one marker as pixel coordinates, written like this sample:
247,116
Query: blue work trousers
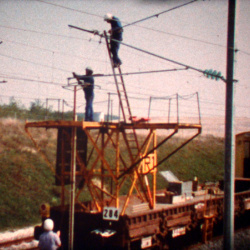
89,108
114,48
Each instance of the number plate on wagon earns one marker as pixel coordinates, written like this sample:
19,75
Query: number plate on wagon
110,213
146,242
178,232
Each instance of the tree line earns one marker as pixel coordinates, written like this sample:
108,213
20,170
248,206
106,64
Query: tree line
36,111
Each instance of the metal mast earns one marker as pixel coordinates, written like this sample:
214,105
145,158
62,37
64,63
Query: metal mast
229,138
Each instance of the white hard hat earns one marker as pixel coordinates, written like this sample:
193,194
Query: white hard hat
48,225
108,16
89,69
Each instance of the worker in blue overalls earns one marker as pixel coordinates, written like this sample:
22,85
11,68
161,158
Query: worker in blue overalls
88,88
115,33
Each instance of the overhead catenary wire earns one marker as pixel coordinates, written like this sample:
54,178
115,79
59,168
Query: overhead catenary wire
130,93
70,37
129,24
54,68
61,85
163,32
64,7
35,63
41,32
158,14
57,83
147,52
54,51
148,28
33,80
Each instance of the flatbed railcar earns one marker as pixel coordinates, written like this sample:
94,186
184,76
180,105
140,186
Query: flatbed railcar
144,228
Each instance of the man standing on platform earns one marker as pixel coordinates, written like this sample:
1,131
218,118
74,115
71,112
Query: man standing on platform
88,88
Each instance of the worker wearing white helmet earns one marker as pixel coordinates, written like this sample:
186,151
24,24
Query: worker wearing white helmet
48,225
108,16
89,69
115,37
87,83
49,240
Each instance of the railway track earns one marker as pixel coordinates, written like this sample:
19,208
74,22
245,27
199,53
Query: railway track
241,241
23,243
19,239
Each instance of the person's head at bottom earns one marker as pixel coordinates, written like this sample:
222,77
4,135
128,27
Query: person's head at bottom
48,225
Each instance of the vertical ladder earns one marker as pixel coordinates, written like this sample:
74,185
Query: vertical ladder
130,138
120,86
122,93
129,135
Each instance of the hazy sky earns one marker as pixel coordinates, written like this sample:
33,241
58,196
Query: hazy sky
39,52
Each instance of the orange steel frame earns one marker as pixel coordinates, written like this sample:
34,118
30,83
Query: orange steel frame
112,174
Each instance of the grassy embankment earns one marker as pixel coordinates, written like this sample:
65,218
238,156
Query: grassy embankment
26,181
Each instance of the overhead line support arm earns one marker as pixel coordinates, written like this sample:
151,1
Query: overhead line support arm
164,58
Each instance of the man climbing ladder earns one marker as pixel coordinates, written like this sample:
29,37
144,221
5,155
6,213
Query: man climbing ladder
116,34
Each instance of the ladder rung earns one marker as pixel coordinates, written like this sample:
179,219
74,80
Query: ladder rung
131,135
131,139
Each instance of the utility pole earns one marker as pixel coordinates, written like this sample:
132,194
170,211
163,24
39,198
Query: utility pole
229,167
72,178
